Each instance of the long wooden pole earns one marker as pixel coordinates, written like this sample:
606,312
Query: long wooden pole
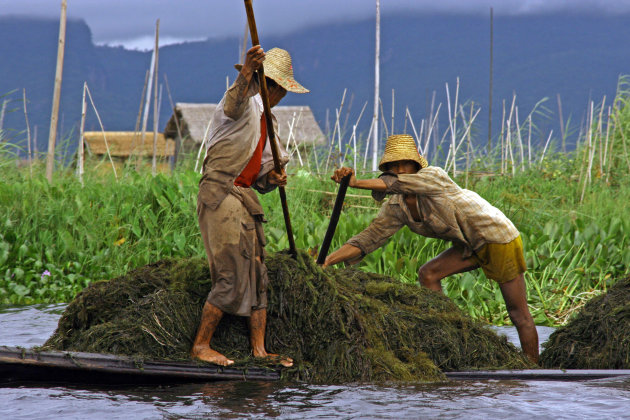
28,133
334,219
52,133
272,136
377,55
491,78
81,152
155,99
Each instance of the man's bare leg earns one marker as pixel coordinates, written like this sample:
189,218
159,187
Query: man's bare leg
210,318
449,262
515,296
257,325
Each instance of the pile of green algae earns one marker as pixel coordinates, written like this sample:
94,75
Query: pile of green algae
597,338
338,325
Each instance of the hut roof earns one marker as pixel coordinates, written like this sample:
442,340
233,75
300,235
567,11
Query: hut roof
126,143
194,118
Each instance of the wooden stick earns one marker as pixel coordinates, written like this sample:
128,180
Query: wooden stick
272,137
139,118
80,166
490,85
28,133
54,115
334,219
377,69
155,99
98,117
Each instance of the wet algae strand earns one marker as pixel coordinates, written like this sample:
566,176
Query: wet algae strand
597,338
338,325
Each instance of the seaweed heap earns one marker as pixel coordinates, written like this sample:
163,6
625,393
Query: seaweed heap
337,325
597,338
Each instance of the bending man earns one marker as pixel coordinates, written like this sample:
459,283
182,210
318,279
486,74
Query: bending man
427,201
229,213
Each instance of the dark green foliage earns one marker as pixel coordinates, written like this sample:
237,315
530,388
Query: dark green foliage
597,338
338,325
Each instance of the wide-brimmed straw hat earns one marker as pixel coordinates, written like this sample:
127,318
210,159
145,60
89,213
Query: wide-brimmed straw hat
279,68
401,147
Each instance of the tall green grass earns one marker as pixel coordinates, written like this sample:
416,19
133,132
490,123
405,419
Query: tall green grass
570,208
57,238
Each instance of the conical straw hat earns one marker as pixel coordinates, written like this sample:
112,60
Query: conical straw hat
278,67
401,147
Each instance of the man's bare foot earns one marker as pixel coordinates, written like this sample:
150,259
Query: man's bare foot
206,354
275,358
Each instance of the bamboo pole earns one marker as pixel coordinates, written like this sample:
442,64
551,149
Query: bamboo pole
383,119
377,53
601,136
54,115
529,141
337,127
81,152
155,99
472,104
562,133
2,111
35,147
156,120
491,77
367,145
393,112
28,133
608,122
450,127
353,139
520,141
139,118
147,103
502,137
98,117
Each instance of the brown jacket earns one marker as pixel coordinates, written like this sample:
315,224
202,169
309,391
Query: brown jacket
446,211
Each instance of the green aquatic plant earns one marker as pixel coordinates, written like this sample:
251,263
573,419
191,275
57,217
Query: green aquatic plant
337,325
598,337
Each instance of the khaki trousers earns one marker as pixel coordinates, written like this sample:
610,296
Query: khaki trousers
235,255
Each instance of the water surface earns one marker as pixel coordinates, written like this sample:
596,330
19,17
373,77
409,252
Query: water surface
32,325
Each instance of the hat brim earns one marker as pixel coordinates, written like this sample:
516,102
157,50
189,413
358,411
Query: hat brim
291,85
420,160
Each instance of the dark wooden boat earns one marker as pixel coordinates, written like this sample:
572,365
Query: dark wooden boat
27,365
19,365
540,374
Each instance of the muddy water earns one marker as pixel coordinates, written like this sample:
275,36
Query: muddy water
29,326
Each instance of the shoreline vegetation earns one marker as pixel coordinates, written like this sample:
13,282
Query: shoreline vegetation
57,238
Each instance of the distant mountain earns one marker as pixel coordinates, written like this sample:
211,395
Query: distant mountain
578,57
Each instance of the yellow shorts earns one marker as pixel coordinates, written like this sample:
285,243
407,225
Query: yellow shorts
502,262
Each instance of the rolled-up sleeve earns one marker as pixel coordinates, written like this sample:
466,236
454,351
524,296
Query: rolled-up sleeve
428,181
386,223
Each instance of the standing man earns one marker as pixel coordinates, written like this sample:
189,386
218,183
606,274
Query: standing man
230,216
426,200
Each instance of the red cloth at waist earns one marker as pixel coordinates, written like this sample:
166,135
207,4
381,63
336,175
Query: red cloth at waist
250,173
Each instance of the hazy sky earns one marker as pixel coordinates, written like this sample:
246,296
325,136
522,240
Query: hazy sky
132,22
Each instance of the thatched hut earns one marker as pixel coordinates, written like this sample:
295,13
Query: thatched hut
124,144
189,122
